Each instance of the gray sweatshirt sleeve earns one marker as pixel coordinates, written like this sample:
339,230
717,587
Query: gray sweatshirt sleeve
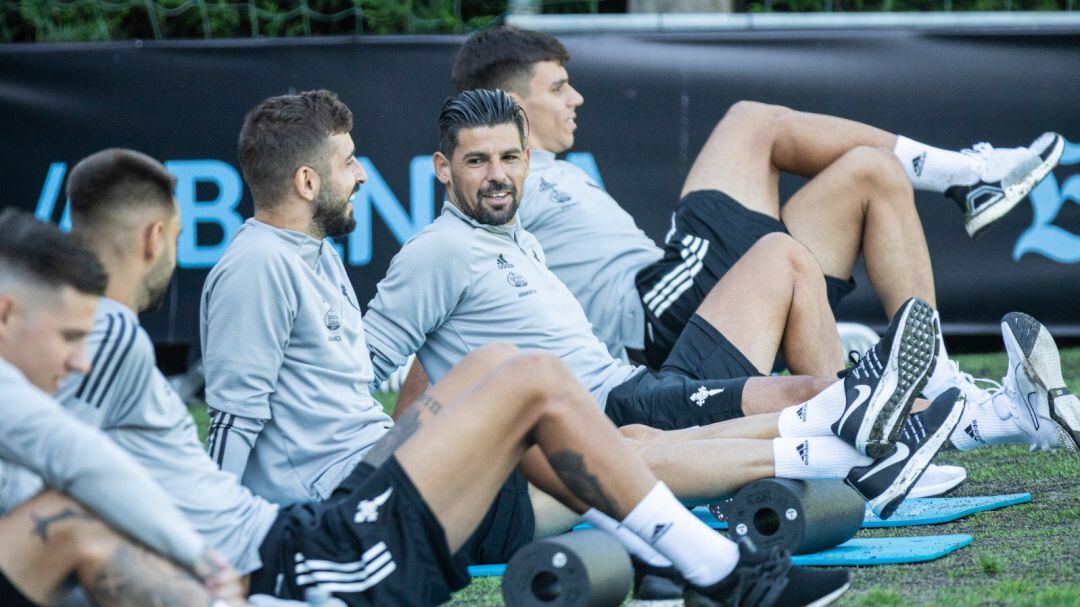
83,463
426,281
231,439
248,312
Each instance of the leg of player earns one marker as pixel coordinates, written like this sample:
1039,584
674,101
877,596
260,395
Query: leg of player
774,297
51,540
863,203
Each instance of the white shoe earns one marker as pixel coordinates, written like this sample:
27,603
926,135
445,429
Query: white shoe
977,390
1008,175
1033,392
938,480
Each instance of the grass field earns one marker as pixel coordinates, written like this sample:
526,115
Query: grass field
1027,555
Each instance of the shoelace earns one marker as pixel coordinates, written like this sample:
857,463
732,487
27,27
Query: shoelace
996,162
977,389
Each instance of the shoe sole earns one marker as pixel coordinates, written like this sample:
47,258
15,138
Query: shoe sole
1042,362
977,225
832,597
939,489
911,357
885,504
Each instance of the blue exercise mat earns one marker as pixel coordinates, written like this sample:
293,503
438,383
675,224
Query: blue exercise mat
858,551
919,511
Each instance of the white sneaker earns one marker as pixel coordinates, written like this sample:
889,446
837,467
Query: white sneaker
938,480
977,390
1008,175
1033,392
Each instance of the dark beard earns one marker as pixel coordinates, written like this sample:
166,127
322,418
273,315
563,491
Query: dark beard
331,219
486,215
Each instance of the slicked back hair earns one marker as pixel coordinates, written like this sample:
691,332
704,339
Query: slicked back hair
282,134
502,58
477,108
116,181
39,252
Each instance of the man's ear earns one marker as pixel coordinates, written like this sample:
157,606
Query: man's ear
153,241
442,167
8,306
306,182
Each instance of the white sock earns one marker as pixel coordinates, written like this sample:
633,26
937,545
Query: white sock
943,376
982,424
815,457
816,416
701,555
935,169
633,544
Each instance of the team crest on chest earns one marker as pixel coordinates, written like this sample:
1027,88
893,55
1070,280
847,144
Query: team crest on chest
332,319
516,280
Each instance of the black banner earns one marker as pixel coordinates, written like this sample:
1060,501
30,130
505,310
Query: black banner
651,99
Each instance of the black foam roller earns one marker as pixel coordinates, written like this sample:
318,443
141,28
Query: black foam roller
581,569
800,516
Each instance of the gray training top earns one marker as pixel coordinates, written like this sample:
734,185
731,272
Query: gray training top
283,348
80,461
592,245
459,284
127,396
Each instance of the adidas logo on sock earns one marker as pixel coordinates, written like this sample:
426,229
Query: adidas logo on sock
972,430
658,532
917,164
801,412
804,452
502,264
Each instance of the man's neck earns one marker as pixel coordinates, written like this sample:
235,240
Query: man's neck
289,217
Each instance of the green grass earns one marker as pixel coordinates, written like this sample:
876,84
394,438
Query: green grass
1027,555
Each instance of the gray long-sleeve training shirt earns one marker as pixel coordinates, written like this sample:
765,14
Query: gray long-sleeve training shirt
286,365
459,284
80,461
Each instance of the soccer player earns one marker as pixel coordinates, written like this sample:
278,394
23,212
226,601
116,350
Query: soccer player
474,277
49,286
729,231
387,534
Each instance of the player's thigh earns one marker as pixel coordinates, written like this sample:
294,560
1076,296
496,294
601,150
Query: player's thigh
737,159
38,546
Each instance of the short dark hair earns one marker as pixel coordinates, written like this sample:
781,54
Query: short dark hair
283,133
477,108
115,180
502,58
39,251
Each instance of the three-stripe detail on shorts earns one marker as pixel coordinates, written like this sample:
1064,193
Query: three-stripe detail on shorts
374,565
680,278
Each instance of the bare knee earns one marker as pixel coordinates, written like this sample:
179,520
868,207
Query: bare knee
755,113
786,255
875,168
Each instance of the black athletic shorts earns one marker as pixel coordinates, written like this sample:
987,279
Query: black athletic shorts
10,595
508,525
699,384
374,542
710,232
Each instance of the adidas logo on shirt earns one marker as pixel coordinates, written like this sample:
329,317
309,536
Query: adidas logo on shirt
502,264
804,452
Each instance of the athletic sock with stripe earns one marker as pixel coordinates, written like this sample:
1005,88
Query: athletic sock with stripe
701,555
816,416
815,457
935,169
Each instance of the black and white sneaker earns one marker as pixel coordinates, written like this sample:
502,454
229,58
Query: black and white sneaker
1008,176
882,386
1034,394
656,585
886,482
765,578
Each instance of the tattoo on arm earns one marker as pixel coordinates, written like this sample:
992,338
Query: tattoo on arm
42,523
570,466
406,426
134,577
